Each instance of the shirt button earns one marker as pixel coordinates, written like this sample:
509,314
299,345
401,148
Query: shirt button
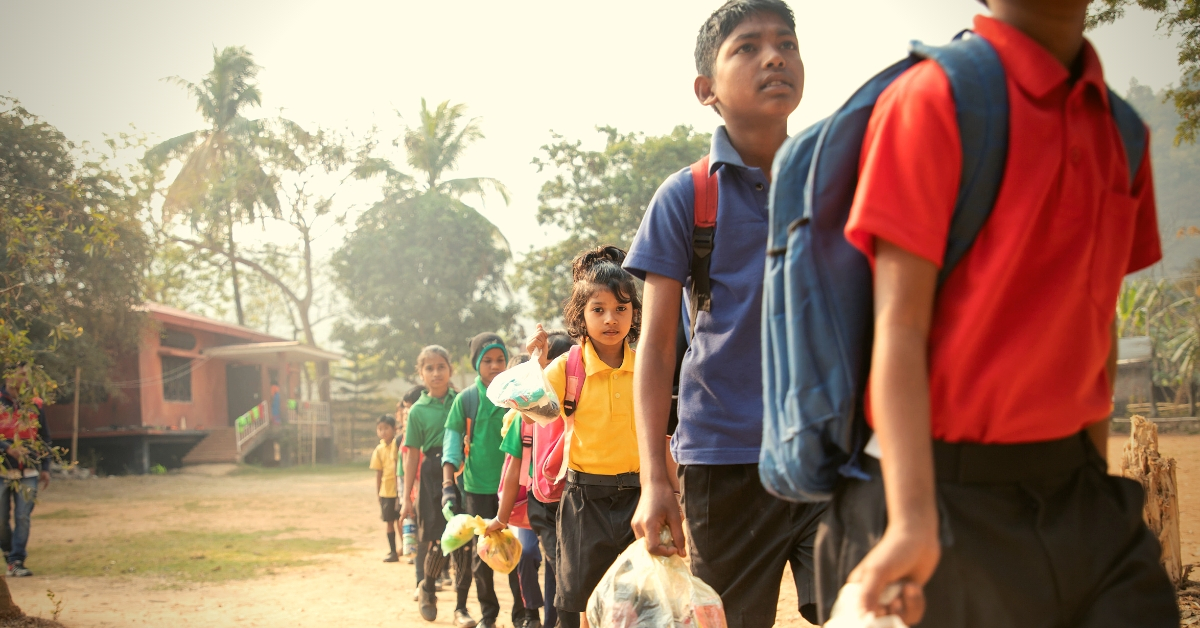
1075,154
758,186
617,395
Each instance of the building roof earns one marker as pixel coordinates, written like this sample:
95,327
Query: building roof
292,351
1134,349
188,320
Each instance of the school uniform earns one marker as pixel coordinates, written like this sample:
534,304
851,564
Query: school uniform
480,481
1034,530
602,490
426,427
531,556
384,459
739,536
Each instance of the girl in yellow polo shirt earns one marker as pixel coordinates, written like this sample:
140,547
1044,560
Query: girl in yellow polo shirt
604,312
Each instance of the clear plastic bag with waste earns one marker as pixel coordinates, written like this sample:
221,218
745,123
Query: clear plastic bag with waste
644,591
500,550
848,612
459,531
525,388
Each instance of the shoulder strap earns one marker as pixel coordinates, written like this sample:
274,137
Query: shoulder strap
977,81
575,379
470,408
1133,133
704,224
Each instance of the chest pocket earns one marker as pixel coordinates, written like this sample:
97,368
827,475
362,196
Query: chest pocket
1112,248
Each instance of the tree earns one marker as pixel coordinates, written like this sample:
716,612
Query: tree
598,197
1175,16
359,380
72,252
224,180
422,267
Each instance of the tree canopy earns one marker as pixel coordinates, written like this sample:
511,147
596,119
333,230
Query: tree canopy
597,197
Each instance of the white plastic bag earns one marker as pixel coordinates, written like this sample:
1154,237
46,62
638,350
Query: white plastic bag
644,591
524,388
848,612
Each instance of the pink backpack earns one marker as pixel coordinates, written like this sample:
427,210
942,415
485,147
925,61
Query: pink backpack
520,512
551,442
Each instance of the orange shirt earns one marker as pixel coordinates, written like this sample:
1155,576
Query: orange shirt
1021,328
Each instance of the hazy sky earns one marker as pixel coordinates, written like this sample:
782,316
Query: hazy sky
525,68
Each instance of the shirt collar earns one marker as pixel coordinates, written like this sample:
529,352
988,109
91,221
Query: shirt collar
592,364
1031,66
721,151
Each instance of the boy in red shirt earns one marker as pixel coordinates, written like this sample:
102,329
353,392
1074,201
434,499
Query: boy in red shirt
991,434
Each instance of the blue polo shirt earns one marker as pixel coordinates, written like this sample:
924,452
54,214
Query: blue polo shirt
720,382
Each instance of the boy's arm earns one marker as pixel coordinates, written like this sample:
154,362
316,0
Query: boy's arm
905,285
378,479
508,497
657,506
411,460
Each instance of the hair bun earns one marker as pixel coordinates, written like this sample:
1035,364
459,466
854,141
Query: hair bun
598,255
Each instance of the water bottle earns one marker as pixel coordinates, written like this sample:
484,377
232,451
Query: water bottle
410,536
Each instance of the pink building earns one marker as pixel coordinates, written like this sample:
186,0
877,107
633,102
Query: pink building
181,394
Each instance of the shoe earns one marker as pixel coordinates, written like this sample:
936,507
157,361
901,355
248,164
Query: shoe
532,620
17,570
462,619
392,557
417,593
426,603
411,560
486,624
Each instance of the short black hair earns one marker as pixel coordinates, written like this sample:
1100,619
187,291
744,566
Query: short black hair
722,22
559,342
389,419
413,395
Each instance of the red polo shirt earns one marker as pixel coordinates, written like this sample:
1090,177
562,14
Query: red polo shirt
1021,328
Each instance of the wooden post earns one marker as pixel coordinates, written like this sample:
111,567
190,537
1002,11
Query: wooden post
1141,461
75,422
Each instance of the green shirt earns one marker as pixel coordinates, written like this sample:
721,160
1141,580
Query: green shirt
481,474
512,444
427,421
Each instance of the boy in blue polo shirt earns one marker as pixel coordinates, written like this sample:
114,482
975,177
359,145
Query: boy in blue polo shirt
740,537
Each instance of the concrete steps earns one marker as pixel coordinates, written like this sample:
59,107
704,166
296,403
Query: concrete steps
219,447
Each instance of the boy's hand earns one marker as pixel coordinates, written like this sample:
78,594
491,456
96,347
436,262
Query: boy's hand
904,556
538,341
494,525
449,496
657,509
407,511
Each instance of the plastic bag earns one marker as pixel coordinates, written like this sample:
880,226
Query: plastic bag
459,530
524,388
848,613
644,591
501,551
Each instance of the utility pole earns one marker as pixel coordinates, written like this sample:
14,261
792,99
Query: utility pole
75,423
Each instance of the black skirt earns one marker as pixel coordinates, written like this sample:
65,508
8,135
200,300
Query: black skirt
430,522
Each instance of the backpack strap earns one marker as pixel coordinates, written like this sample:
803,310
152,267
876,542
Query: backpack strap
977,80
1133,133
704,225
470,410
575,378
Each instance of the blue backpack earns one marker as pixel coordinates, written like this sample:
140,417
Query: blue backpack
818,317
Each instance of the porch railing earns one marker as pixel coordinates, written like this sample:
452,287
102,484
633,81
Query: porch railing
252,423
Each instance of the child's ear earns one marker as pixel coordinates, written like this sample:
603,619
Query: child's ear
704,91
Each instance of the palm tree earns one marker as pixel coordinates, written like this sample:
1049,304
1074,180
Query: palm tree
224,179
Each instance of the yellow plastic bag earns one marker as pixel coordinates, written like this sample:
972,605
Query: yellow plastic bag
459,530
644,591
501,551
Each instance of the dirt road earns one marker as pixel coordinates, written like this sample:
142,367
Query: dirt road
274,549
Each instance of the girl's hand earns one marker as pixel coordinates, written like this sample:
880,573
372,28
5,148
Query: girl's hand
407,512
538,342
493,526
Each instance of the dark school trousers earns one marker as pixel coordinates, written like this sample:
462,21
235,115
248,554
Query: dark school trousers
593,529
1033,535
430,524
543,518
486,506
740,537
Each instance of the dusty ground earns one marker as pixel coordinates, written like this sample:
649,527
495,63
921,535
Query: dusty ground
315,544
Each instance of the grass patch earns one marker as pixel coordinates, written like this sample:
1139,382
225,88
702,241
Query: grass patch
62,513
320,469
198,556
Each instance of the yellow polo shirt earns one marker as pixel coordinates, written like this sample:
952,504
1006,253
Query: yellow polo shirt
384,459
605,437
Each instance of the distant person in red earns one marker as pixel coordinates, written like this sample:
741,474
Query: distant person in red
25,443
989,500
276,405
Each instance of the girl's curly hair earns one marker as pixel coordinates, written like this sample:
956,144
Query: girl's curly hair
600,268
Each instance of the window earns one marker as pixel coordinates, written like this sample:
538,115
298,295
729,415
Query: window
177,378
177,339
